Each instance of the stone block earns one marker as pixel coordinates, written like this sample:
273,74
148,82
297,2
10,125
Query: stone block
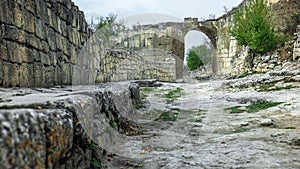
63,27
52,39
15,52
3,13
53,58
1,72
10,75
33,41
32,55
3,51
66,74
24,75
49,76
45,59
30,5
11,32
58,77
45,46
39,74
40,29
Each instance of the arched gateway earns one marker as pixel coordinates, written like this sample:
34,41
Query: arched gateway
164,41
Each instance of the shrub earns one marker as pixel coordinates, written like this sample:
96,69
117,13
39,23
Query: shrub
253,27
193,60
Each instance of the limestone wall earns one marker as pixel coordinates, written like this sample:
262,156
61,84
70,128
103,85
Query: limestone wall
158,45
40,41
120,65
296,52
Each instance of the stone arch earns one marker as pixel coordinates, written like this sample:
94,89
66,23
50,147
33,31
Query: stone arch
207,27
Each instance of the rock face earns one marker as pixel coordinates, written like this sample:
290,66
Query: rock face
63,128
296,52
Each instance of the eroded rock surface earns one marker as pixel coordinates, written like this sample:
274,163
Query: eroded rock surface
206,134
69,127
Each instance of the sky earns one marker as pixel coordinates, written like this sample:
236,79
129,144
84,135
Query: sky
154,11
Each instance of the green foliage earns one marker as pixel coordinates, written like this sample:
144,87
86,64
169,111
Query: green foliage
253,27
204,53
262,105
108,27
168,116
252,108
193,60
172,95
95,163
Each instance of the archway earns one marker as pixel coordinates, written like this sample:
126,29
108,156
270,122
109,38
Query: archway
200,43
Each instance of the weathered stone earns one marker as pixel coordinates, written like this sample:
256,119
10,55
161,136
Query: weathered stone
1,73
45,59
58,76
3,51
32,41
50,76
53,58
17,54
39,74
66,72
10,75
40,29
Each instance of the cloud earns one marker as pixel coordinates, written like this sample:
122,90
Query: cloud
176,8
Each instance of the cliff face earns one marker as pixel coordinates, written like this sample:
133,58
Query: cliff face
66,127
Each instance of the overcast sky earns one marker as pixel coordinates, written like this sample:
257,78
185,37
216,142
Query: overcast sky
153,11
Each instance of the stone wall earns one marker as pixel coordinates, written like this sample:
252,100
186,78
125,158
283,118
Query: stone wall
121,65
156,44
39,42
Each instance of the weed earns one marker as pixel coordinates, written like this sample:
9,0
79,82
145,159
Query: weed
95,163
272,87
148,89
198,120
172,95
167,116
235,110
290,128
261,105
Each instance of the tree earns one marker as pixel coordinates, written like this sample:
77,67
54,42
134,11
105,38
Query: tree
253,27
193,60
108,27
204,53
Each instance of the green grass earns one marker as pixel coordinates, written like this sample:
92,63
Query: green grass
261,105
167,116
172,95
235,110
198,120
271,87
148,89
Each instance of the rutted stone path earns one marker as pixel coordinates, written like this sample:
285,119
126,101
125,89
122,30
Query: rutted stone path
207,136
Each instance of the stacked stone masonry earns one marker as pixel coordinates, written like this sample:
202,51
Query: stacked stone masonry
39,41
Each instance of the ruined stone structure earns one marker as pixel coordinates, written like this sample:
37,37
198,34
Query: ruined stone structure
47,43
228,57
